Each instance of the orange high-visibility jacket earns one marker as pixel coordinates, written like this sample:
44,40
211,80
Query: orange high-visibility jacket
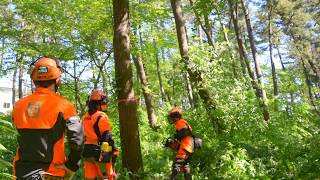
89,121
41,120
186,144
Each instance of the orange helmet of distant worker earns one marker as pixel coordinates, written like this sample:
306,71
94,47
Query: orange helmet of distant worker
46,68
99,95
175,113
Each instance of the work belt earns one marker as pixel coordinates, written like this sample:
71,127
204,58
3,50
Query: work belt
49,177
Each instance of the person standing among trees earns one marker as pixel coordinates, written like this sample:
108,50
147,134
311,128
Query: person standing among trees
99,150
183,142
41,120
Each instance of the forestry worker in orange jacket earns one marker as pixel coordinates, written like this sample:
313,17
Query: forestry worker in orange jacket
42,120
99,150
183,142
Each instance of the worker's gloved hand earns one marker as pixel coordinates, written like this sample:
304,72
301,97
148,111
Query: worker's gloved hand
68,173
168,142
172,144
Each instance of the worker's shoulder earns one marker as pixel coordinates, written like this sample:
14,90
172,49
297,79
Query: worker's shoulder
23,100
181,123
62,100
103,115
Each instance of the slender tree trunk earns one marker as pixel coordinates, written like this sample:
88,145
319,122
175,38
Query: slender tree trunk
14,79
280,58
195,75
245,58
187,78
76,91
206,28
152,117
32,86
200,35
163,95
309,86
20,81
146,91
274,74
190,91
262,92
241,48
129,131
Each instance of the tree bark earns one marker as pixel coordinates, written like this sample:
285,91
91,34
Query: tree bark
145,91
262,92
207,29
20,81
195,75
241,46
309,86
163,95
129,131
190,91
280,58
273,68
245,58
14,87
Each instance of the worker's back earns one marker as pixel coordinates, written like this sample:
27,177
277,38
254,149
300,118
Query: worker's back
40,122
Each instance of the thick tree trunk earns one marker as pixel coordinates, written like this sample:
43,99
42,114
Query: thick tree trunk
129,131
14,79
195,75
262,92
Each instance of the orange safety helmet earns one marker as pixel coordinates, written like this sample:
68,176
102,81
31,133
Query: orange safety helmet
46,68
99,95
176,110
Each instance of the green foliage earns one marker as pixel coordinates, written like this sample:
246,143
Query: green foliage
7,146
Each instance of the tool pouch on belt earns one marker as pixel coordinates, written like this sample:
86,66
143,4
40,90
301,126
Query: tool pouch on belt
91,151
106,152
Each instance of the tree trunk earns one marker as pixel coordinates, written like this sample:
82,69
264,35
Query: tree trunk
280,58
14,87
20,81
163,95
241,49
244,54
274,74
190,91
129,131
262,92
146,91
207,29
76,91
309,86
195,75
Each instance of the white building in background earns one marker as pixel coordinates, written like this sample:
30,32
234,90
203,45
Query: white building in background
5,100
